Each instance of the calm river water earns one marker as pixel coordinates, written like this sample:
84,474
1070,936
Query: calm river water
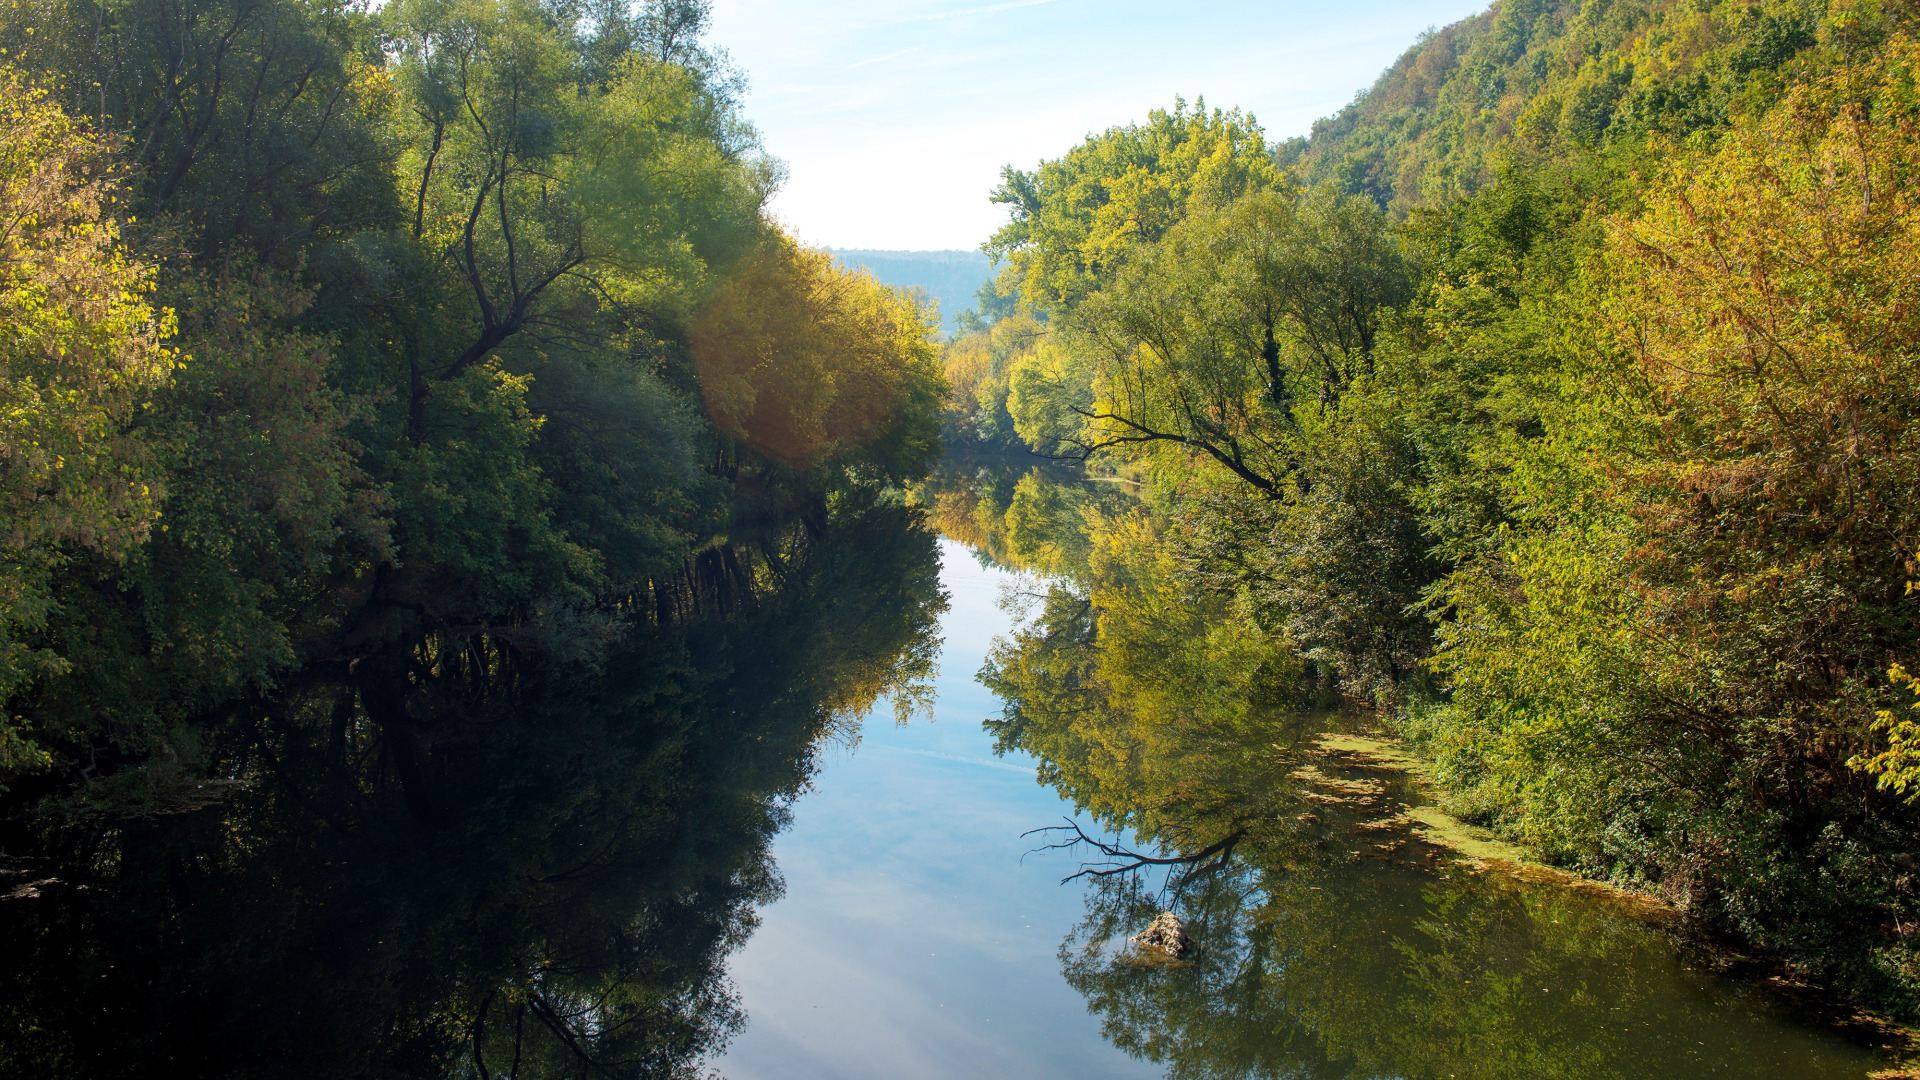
918,938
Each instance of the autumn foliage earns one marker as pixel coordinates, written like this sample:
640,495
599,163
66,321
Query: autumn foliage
81,344
1768,302
803,360
80,349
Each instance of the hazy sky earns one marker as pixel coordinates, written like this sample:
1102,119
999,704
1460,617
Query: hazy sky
895,116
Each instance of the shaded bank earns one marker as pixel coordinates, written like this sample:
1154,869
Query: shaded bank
541,873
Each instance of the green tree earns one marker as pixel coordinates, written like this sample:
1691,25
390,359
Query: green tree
83,350
1075,220
1212,336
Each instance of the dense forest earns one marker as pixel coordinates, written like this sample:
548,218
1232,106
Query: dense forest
1552,403
432,491
344,344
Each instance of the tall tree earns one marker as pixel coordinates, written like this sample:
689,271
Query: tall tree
83,348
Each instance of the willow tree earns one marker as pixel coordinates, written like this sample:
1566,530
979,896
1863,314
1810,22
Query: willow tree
554,187
1076,220
1246,357
1211,336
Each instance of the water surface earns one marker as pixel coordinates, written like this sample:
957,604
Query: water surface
918,937
536,864
566,865
914,939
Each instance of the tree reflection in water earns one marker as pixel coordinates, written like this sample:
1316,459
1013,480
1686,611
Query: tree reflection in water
508,860
1330,939
1366,969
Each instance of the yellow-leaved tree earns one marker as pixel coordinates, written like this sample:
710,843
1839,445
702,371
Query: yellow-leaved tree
80,350
1708,580
805,361
1767,302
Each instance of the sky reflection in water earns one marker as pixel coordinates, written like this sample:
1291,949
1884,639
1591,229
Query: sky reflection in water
914,941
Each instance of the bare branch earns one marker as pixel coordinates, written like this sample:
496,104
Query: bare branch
1121,860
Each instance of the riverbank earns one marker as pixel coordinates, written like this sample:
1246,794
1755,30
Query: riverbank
1334,905
1427,824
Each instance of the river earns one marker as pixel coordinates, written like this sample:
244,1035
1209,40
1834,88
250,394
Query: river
920,936
584,877
916,937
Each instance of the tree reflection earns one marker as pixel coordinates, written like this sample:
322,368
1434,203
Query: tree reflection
1360,969
1019,512
1331,939
500,860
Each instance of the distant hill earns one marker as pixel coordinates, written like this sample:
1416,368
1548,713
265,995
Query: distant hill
951,277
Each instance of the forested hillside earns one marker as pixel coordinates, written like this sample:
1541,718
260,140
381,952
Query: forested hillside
1554,401
1542,82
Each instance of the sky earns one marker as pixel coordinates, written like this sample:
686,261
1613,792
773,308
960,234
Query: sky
894,118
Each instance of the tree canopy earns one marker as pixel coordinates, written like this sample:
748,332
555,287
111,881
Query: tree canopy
345,336
1548,403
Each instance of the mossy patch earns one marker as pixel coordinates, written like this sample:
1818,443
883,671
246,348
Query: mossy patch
1435,826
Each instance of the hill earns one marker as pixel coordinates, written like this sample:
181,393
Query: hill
949,277
1540,81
